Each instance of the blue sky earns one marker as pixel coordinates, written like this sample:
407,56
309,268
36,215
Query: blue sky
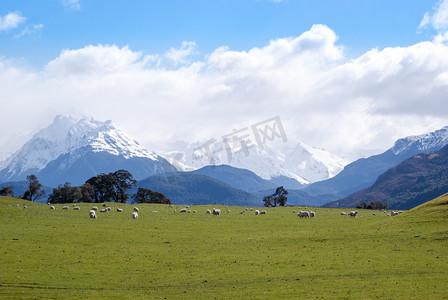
156,26
349,76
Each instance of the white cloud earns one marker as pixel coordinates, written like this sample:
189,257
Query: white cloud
11,20
437,20
32,29
71,4
179,56
323,98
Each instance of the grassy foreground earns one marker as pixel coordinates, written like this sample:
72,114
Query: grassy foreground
65,254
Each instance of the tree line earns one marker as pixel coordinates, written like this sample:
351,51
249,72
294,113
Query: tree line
111,187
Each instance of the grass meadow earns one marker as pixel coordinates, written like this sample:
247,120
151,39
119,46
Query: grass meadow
166,255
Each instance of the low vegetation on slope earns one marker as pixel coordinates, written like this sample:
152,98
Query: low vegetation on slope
165,254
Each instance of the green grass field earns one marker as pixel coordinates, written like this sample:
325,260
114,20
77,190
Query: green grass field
65,254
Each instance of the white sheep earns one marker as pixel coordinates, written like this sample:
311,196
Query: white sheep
74,204
343,213
136,209
194,211
208,211
76,208
312,214
189,211
10,205
216,212
256,212
52,207
134,215
183,210
353,213
263,212
175,210
394,213
24,206
94,208
119,210
92,214
228,211
293,211
242,212
303,214
374,214
251,209
108,208
65,207
172,206
103,210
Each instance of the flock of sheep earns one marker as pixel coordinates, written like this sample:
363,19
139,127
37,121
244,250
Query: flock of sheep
214,211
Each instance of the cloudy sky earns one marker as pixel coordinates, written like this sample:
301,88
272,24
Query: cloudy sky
344,75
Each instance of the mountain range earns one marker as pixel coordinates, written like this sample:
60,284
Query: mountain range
416,180
73,149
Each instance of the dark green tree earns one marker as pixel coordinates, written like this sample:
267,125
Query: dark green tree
35,190
148,196
87,192
267,201
122,181
7,191
278,198
65,194
111,187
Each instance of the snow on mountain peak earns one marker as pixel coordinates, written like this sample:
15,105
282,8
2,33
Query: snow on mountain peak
313,164
424,142
66,135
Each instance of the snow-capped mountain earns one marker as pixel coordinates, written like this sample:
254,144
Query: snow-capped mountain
427,142
364,172
65,144
313,164
303,163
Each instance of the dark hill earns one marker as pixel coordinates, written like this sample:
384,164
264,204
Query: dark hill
187,188
411,183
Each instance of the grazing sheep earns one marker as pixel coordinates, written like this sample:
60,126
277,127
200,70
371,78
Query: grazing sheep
388,215
194,211
136,209
10,205
400,212
94,208
119,210
104,205
303,214
188,206
189,211
172,206
374,214
256,212
52,207
92,214
216,212
312,214
246,209
65,207
228,211
17,205
24,206
183,210
251,209
208,211
103,210
353,213
343,213
76,208
175,210
263,212
394,213
293,211
134,215
242,212
74,204
108,208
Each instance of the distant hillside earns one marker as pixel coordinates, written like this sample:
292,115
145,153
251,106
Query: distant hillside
21,186
238,178
363,172
187,188
413,182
